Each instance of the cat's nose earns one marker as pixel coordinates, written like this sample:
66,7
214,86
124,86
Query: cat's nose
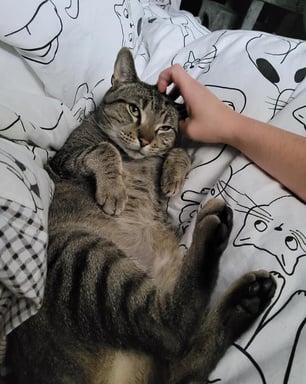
143,142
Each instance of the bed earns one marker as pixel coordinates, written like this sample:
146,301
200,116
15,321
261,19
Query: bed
56,61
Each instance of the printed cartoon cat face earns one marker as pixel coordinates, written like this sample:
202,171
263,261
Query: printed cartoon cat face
265,228
273,65
124,14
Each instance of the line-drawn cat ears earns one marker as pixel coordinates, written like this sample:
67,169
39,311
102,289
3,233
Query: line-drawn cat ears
73,9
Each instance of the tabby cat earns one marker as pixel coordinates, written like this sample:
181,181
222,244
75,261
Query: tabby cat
121,305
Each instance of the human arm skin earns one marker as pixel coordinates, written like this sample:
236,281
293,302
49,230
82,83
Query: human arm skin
280,153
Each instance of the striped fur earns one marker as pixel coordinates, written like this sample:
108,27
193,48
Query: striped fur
121,304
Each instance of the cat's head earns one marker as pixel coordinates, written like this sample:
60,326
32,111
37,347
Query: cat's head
134,115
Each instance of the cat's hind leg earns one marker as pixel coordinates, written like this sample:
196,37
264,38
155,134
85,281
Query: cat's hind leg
243,302
198,275
213,227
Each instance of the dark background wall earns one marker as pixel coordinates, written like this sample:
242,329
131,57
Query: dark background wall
272,19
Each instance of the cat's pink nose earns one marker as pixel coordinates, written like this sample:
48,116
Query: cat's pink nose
143,142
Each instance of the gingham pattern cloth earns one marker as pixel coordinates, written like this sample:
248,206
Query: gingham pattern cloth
23,241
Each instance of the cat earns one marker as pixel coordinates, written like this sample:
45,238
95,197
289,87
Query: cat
121,304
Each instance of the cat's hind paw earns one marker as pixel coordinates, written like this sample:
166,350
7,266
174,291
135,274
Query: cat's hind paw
246,299
259,289
214,224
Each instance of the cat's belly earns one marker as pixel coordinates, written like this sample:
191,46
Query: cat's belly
140,231
150,243
117,367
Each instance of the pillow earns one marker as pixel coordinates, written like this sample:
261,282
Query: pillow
71,46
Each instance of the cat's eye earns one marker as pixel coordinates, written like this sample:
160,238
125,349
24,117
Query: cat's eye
260,225
291,243
134,110
164,128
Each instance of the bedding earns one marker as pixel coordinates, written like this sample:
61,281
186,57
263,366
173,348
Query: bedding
56,61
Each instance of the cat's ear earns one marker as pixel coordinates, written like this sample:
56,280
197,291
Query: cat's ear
124,70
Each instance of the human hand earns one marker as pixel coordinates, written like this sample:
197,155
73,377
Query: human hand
207,115
280,153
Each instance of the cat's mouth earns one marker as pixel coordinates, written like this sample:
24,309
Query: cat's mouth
134,154
139,153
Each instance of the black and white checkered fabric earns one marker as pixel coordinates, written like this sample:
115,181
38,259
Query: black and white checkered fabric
23,241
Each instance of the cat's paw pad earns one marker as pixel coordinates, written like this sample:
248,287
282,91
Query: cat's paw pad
256,290
112,199
246,300
215,222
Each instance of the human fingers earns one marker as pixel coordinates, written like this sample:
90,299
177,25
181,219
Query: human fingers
164,79
174,74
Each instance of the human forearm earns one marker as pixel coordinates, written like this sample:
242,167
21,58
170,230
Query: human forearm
280,153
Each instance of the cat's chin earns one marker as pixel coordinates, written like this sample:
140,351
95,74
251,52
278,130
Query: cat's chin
133,154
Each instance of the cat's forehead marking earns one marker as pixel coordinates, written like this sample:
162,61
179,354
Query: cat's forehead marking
144,117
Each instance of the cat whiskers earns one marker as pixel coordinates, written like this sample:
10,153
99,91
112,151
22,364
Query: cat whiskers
301,238
281,101
277,104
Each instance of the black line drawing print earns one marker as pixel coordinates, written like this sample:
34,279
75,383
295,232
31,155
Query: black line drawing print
269,227
190,30
269,331
56,124
191,197
25,175
34,149
15,122
73,9
84,101
248,351
25,37
300,115
233,97
269,64
285,242
195,59
164,4
297,349
200,62
124,14
192,201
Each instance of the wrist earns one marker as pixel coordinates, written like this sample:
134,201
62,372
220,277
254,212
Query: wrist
231,127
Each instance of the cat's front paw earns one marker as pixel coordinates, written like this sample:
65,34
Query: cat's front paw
246,300
175,169
112,198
